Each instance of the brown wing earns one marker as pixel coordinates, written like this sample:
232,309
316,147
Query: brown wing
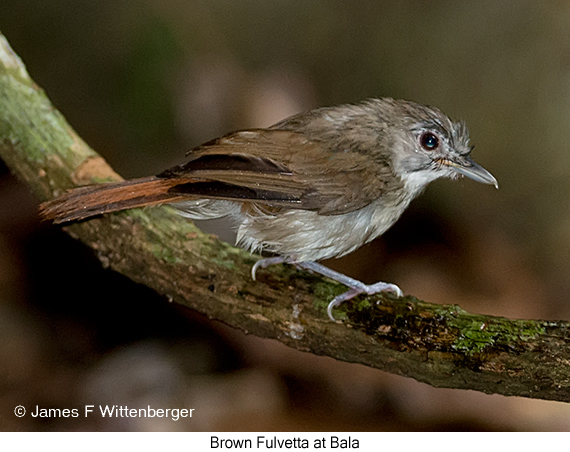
282,168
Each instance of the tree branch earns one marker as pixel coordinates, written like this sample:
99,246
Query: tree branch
443,346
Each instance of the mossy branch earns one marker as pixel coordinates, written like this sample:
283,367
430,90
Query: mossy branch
440,345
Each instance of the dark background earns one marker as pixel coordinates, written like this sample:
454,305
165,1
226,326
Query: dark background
143,81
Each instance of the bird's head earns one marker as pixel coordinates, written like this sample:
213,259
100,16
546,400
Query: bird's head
429,145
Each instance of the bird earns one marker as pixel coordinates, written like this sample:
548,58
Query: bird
314,186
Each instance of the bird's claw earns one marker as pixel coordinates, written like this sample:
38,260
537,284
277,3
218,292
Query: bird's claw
263,263
367,289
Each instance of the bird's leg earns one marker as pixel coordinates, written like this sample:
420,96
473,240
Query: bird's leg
356,287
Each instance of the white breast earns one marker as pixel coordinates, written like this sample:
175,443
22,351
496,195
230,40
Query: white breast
307,236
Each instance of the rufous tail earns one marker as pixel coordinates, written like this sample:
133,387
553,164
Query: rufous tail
85,202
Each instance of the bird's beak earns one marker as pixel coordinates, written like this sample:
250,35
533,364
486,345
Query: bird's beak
467,167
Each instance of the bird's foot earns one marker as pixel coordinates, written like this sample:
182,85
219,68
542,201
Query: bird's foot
362,288
356,287
264,263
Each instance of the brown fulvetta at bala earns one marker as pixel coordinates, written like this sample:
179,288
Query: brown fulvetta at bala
314,186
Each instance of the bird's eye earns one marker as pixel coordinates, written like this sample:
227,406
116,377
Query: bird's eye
429,141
